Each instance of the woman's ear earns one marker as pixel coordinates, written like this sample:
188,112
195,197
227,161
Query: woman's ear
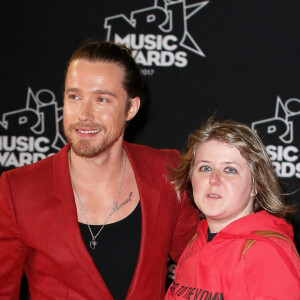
254,189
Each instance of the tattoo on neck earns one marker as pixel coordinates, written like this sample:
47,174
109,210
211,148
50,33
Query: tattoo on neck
124,203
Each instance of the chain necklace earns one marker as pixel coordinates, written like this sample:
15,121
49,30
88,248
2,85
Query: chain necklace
93,242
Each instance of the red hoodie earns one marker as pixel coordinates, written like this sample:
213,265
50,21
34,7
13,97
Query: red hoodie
269,269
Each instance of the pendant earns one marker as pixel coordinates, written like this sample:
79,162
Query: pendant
93,244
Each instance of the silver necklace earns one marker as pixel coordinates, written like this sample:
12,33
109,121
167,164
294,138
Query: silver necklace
93,242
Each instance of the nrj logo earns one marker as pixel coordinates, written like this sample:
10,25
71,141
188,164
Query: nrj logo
282,135
158,35
31,133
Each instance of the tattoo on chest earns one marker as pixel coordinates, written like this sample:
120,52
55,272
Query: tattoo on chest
123,203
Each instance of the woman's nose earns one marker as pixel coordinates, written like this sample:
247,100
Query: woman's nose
215,179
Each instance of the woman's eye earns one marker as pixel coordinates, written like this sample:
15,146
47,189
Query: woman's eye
230,170
205,168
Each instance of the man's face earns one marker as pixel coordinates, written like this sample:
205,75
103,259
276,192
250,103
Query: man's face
94,106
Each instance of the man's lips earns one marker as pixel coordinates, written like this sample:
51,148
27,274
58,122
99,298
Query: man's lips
88,131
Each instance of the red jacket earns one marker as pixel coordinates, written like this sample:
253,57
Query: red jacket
39,230
269,269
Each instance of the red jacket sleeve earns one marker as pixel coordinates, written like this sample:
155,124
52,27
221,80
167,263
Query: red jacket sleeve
12,250
185,228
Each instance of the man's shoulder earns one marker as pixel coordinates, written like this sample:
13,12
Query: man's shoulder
36,170
138,149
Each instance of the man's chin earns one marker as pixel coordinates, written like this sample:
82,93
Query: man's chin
86,154
84,149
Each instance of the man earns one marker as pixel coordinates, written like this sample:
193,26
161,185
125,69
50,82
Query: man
98,219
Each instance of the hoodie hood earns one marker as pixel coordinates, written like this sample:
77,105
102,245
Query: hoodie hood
247,225
260,221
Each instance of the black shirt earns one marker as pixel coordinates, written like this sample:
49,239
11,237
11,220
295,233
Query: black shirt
116,253
210,235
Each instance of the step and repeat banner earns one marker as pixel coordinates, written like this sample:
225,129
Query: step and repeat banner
237,59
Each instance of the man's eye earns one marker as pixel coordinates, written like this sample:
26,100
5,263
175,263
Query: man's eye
74,97
230,170
205,169
101,99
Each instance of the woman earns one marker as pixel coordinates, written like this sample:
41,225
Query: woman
244,247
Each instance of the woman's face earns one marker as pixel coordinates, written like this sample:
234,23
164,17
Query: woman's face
222,184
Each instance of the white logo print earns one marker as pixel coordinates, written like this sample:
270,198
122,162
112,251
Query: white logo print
155,34
38,127
280,132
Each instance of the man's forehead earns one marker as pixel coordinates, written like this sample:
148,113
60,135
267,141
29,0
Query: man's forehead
95,63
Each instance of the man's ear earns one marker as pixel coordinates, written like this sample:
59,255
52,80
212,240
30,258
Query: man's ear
134,108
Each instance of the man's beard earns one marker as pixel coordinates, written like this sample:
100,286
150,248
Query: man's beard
87,148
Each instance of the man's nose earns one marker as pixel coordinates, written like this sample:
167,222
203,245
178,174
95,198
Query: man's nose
86,112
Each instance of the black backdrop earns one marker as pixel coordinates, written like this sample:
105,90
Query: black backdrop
236,58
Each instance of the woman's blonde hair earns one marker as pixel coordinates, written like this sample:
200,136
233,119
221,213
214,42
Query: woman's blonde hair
269,194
